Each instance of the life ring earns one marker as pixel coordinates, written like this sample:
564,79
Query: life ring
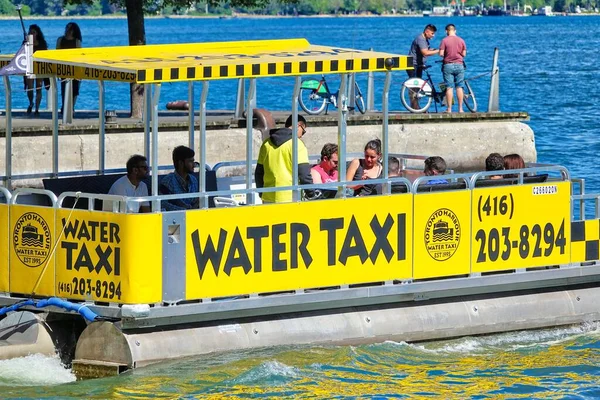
178,105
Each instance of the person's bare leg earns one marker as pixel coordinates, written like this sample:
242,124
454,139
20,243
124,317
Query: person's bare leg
29,88
38,95
449,98
460,95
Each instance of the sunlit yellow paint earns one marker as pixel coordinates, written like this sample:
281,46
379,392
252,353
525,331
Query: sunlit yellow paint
4,248
275,269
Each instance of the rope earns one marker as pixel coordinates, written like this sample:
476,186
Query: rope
37,283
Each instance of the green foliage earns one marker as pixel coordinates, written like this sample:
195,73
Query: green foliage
7,8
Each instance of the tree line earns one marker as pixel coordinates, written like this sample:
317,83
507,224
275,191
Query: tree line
273,7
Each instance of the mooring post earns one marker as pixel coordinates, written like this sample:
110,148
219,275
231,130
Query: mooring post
494,99
370,90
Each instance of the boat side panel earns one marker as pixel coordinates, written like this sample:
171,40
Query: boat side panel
109,257
442,226
4,248
521,226
31,236
269,248
585,240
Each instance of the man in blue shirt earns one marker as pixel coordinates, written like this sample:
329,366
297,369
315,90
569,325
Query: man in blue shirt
419,51
181,181
435,166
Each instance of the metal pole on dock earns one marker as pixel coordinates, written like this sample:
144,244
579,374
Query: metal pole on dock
494,98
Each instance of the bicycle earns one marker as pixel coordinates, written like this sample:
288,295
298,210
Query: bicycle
417,94
315,97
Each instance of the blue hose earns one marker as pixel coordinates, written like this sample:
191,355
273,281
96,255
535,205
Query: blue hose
54,301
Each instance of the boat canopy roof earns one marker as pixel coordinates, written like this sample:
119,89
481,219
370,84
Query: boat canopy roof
213,60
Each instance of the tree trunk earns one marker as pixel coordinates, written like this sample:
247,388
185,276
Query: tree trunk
137,36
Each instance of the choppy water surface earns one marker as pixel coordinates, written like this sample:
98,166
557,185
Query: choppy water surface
549,68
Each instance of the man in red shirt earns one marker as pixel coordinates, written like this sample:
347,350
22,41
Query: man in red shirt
453,50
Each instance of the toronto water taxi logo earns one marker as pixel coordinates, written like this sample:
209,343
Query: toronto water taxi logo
442,234
32,239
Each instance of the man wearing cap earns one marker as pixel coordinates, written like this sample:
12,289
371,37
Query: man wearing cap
274,167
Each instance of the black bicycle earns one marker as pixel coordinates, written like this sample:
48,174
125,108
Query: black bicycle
315,97
417,94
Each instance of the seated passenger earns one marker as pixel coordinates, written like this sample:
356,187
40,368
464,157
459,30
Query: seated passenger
181,181
327,170
393,172
274,166
435,166
494,162
513,161
366,168
131,185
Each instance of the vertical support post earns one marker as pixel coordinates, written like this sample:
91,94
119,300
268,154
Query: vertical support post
101,128
202,145
385,104
342,125
8,142
49,104
371,90
239,101
191,114
494,98
249,138
154,158
296,192
54,94
352,92
147,118
67,116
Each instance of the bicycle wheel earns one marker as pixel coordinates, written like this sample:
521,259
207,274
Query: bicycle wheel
311,102
469,98
416,95
359,101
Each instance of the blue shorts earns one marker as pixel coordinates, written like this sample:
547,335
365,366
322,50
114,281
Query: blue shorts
454,75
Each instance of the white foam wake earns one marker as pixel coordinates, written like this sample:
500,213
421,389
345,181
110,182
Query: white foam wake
34,370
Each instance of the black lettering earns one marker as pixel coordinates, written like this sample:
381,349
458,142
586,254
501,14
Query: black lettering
94,225
278,247
210,253
257,233
297,229
103,259
83,232
381,240
241,260
331,225
70,229
84,260
69,246
359,249
117,261
104,232
114,233
401,247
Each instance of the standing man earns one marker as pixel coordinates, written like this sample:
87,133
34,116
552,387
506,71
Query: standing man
274,167
181,181
419,51
453,49
131,185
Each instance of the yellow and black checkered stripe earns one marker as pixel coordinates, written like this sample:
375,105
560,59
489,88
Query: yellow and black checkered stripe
291,68
585,240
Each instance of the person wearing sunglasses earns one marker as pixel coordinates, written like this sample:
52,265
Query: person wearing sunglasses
131,185
327,170
274,166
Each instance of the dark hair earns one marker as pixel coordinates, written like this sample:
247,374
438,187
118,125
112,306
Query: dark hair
431,27
393,166
288,121
134,161
328,150
42,45
494,162
435,163
450,27
513,161
76,30
375,145
180,153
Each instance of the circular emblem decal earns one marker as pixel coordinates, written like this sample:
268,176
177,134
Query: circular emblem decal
32,239
442,234
21,62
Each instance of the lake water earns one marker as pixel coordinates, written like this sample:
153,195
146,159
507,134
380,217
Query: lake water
548,68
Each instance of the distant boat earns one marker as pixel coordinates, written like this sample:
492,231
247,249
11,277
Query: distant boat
426,13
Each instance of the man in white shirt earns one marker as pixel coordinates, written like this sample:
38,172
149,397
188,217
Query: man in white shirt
131,185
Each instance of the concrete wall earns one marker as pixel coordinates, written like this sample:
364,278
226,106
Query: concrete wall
464,145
